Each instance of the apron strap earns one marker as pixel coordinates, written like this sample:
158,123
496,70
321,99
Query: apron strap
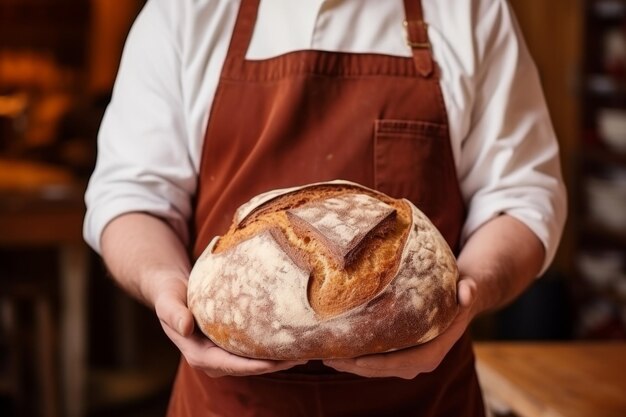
417,37
242,33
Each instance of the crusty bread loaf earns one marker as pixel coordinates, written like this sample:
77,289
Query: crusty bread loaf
327,270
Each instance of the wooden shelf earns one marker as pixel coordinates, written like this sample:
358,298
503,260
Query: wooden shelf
592,228
602,154
7,386
605,85
58,26
602,86
609,9
37,13
584,290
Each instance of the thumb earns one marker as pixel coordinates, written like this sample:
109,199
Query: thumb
172,310
467,296
466,292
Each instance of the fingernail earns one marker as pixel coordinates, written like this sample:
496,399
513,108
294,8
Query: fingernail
179,326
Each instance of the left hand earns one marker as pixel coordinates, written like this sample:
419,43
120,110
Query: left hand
410,362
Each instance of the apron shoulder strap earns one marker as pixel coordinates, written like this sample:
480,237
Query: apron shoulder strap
242,33
417,37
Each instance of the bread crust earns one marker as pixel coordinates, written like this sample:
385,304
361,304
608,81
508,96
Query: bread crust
327,270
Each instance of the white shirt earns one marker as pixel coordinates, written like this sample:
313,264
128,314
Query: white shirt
150,141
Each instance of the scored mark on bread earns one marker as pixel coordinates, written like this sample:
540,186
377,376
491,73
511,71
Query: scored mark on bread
343,223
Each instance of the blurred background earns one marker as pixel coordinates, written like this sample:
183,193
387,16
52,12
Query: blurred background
73,344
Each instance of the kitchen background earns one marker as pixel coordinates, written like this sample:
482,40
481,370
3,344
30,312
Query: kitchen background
71,343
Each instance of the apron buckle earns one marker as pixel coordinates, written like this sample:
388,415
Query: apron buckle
415,32
417,39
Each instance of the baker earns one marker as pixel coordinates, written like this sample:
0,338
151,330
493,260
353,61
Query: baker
216,101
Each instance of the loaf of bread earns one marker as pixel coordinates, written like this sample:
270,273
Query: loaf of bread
328,270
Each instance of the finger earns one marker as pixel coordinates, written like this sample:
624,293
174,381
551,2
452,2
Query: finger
175,315
203,354
351,366
215,358
410,361
172,310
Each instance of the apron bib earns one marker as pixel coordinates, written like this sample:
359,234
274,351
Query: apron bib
310,116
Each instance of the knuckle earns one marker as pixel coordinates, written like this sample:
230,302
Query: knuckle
194,361
191,362
159,306
200,365
225,369
211,373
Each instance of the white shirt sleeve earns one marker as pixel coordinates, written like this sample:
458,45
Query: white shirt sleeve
509,160
143,158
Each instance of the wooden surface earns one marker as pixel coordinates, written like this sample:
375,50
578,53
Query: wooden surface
555,379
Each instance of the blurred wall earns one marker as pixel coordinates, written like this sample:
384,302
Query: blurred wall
554,33
110,22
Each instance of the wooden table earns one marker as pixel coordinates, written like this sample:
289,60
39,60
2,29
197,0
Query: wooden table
42,206
577,379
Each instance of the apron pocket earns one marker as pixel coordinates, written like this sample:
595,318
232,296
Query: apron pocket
410,158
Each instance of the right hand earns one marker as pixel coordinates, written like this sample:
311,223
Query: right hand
199,351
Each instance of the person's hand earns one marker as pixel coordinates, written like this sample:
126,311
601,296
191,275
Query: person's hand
199,351
410,362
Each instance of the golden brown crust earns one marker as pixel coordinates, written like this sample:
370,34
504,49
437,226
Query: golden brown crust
328,270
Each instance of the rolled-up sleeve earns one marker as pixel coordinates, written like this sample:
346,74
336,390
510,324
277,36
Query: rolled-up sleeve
143,160
510,158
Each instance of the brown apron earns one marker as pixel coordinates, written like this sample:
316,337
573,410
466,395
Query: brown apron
309,116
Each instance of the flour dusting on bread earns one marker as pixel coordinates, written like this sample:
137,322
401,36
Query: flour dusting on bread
322,271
